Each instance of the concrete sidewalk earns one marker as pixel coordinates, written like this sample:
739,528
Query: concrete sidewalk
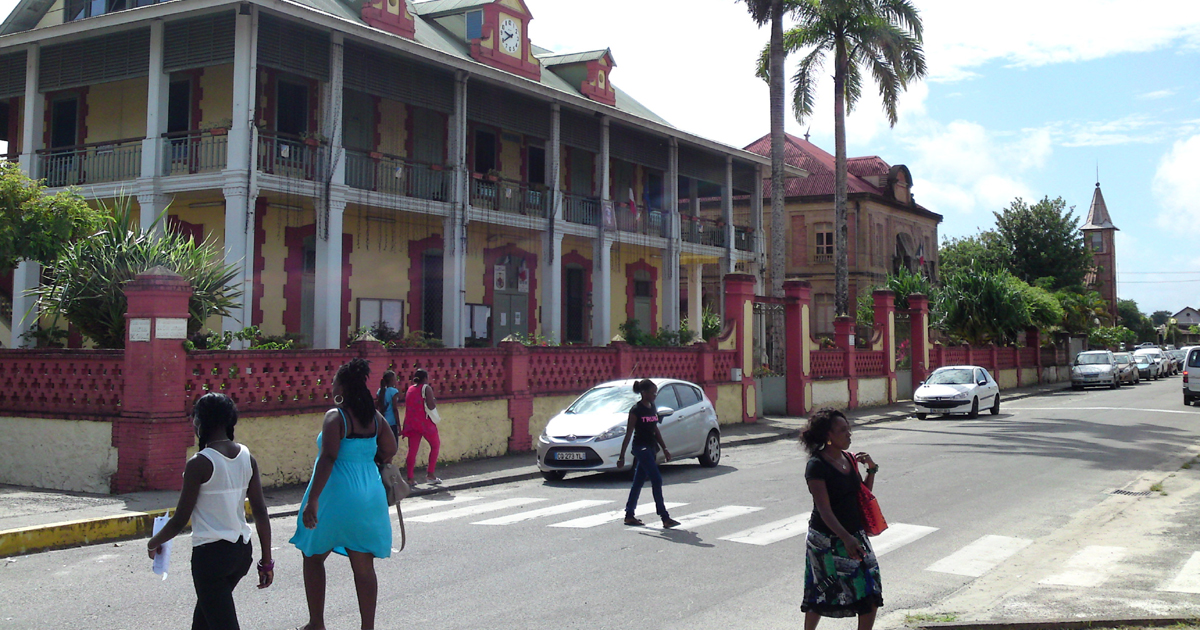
34,520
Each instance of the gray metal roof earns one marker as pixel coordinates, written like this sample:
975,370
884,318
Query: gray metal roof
579,57
433,8
1098,218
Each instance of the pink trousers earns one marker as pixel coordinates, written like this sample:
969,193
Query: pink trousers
414,443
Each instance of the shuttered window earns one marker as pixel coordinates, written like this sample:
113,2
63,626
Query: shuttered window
580,131
375,72
703,166
293,48
206,41
508,110
631,146
12,75
97,60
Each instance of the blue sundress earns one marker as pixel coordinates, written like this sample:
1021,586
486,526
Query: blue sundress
353,512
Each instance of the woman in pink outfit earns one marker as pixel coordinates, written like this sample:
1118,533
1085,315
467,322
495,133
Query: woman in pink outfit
417,425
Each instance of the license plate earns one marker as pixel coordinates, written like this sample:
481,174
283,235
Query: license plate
570,456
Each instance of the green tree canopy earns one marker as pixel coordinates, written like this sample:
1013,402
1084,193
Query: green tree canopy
36,226
1083,310
1131,317
1158,318
985,250
980,306
1044,241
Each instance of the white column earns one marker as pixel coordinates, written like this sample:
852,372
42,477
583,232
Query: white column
240,196
727,216
328,331
33,122
26,278
671,284
695,298
245,69
332,119
239,252
551,280
151,204
602,266
454,247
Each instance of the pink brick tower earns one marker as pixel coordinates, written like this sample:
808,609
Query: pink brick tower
1100,235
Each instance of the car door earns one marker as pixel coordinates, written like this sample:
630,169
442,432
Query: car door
695,428
988,391
672,426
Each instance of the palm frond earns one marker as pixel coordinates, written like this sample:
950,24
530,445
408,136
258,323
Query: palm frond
853,85
804,84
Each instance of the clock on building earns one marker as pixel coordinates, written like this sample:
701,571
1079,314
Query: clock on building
510,36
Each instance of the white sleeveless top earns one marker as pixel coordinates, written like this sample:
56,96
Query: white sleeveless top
220,512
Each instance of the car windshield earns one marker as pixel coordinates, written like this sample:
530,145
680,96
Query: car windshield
1122,358
961,376
1142,359
1092,359
1178,354
605,400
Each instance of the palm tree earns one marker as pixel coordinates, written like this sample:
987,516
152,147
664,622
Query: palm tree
882,37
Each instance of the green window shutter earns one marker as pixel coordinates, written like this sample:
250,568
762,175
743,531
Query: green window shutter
638,148
114,57
293,48
12,75
508,110
199,42
375,72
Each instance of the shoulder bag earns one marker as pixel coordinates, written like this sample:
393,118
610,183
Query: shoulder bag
873,522
396,489
432,412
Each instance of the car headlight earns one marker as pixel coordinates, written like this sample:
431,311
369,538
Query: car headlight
615,432
961,396
545,437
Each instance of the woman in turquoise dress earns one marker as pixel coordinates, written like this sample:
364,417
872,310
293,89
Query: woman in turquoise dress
345,510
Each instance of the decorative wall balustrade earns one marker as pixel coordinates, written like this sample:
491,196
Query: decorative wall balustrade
870,363
94,163
58,383
569,370
829,364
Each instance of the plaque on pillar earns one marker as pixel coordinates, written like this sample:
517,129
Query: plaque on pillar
170,328
139,329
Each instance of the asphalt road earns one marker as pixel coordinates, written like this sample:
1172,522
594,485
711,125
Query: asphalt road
1012,500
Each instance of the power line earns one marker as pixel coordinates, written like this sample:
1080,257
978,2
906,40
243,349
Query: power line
1157,273
1194,280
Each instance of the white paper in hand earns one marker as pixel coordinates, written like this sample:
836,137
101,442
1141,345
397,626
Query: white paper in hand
162,560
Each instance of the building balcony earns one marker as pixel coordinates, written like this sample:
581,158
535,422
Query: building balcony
94,163
581,209
701,231
192,152
743,239
651,222
394,175
291,156
506,195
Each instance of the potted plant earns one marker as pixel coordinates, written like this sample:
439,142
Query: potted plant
217,128
494,175
313,138
376,155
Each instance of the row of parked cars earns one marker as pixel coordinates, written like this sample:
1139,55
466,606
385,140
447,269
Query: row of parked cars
1102,368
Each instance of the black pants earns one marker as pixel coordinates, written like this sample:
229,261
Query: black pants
216,569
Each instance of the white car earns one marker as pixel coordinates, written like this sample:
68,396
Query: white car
958,389
1096,367
1160,359
587,435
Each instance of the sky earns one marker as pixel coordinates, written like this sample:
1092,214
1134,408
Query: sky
1026,100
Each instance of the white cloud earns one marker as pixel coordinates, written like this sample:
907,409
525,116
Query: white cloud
1177,187
1157,94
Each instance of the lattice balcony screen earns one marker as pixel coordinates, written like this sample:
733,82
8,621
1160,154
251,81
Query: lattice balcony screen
293,48
114,57
639,148
507,110
581,131
12,75
199,42
375,72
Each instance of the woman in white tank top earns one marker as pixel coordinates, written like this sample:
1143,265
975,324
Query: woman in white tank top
216,483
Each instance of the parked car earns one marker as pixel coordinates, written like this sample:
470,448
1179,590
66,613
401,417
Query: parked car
1095,367
1179,357
1146,367
957,389
1127,370
587,435
1191,376
1160,359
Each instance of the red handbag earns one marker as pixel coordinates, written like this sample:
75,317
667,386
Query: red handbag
872,517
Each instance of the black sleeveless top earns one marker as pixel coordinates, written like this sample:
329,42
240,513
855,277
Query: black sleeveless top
843,494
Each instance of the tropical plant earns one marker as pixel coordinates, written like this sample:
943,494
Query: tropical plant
1083,310
902,283
631,332
1043,241
36,226
879,37
1110,336
256,340
710,325
45,336
85,285
981,307
1045,312
532,340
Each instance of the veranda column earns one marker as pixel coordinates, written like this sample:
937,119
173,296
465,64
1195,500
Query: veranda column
331,123
798,355
758,246
328,331
150,202
240,251
671,263
552,238
696,299
33,123
26,277
240,195
602,297
454,240
727,216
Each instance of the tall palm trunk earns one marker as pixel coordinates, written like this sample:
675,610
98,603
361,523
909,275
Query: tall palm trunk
841,274
778,260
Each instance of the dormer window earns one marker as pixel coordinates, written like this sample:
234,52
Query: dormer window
80,9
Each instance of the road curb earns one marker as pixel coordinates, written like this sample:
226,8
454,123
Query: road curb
1064,624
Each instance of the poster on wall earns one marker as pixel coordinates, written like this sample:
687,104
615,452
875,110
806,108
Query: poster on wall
523,278
500,273
606,208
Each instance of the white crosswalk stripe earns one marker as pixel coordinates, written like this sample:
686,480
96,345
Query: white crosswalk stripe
608,517
472,510
553,510
898,535
420,505
1088,568
980,556
1188,578
772,532
709,516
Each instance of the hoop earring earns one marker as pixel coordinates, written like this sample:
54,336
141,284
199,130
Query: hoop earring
338,400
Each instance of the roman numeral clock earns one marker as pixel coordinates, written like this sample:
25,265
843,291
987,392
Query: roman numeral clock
499,36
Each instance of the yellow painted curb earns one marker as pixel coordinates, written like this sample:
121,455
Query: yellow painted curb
24,540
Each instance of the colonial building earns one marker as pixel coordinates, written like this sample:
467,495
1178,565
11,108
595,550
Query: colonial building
423,164
1100,235
888,229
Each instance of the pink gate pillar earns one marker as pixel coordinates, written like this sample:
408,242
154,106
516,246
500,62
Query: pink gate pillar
798,347
919,312
885,327
843,336
739,312
520,399
152,434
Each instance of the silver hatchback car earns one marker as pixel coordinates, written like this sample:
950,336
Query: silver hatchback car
587,435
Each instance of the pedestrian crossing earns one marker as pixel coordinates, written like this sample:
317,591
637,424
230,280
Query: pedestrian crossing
1088,567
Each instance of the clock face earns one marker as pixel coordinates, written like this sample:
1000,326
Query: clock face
510,35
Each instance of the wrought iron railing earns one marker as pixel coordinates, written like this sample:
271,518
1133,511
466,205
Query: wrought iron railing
291,156
506,195
394,175
652,222
701,231
743,239
93,163
581,209
187,152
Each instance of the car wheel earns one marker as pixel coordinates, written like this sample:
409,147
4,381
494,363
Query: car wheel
922,416
712,450
996,406
1115,383
554,475
974,409
1077,387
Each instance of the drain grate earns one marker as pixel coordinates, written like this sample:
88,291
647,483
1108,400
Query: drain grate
1130,493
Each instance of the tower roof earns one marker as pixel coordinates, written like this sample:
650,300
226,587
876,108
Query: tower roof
1098,218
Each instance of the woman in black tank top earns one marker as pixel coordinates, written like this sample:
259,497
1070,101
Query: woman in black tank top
643,429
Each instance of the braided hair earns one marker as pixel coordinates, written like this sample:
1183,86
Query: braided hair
214,410
816,433
357,397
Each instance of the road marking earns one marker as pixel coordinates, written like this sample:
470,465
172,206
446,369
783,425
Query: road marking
709,516
608,517
1186,413
980,556
1089,567
472,510
546,511
428,504
1188,580
898,535
773,532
